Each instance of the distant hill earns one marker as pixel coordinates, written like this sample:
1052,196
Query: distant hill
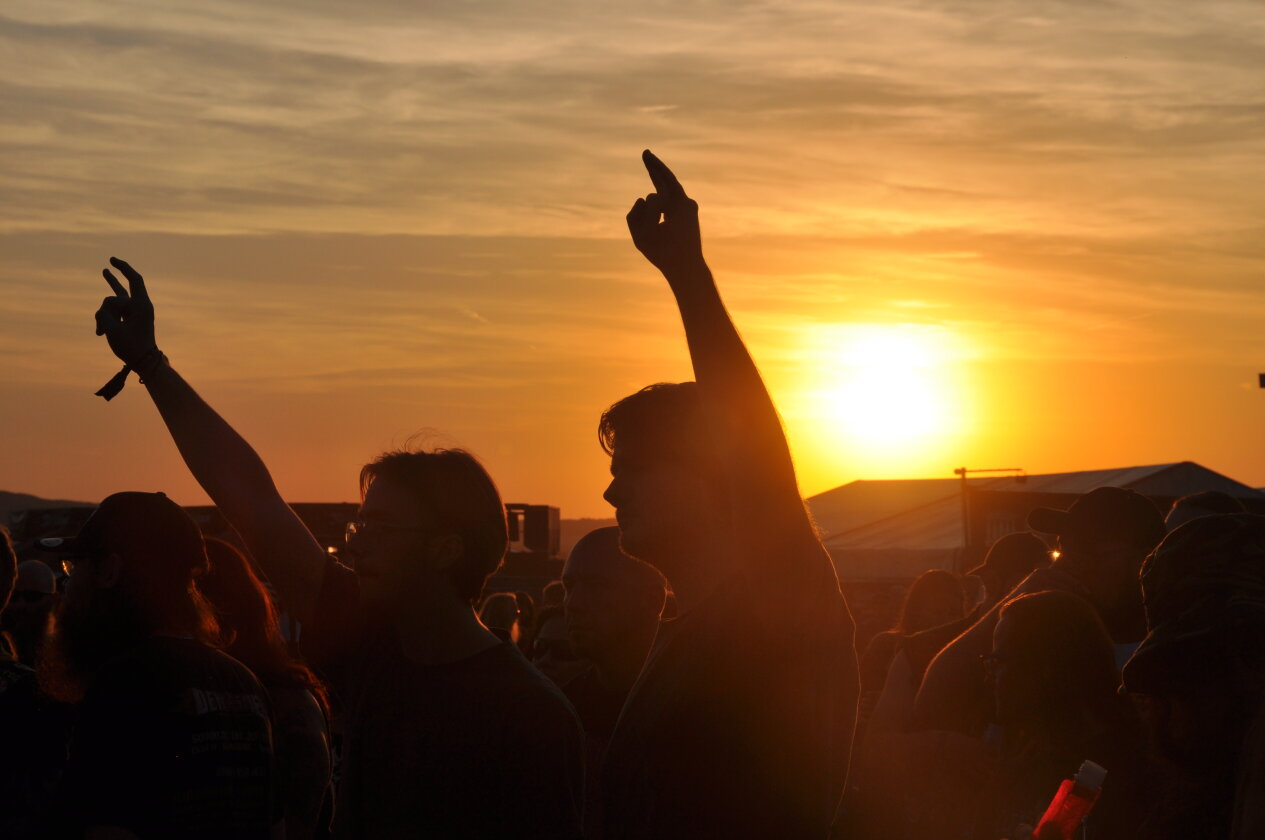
10,502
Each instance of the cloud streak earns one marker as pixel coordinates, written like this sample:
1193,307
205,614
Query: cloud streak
363,201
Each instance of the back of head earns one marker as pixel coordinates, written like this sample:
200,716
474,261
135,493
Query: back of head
1207,503
454,495
599,551
552,595
500,610
613,601
36,576
934,598
1011,559
1204,593
1057,648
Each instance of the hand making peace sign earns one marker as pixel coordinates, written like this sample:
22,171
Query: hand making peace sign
127,319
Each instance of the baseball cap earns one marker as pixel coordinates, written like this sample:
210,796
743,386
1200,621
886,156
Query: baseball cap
1014,556
1104,512
1204,593
150,532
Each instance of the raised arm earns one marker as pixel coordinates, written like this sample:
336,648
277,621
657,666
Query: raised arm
226,466
767,508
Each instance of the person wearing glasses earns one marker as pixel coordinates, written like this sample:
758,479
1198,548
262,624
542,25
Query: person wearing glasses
447,730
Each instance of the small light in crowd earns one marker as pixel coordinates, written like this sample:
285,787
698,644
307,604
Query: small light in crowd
1054,555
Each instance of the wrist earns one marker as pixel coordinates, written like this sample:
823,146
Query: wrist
689,283
687,273
149,364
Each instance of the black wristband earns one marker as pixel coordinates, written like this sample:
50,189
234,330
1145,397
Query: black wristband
145,366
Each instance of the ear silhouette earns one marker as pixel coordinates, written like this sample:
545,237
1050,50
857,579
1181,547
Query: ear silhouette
445,551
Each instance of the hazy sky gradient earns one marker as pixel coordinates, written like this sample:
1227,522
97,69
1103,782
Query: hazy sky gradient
364,221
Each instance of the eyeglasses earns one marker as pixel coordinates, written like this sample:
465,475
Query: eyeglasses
367,530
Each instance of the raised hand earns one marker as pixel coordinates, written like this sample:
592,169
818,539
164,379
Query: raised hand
126,318
664,224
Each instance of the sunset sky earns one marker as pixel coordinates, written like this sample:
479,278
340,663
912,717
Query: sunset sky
992,234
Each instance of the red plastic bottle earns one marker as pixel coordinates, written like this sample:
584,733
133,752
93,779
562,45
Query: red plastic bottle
1073,802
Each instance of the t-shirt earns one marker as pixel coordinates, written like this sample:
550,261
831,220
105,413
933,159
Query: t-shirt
598,708
482,747
173,739
33,732
741,722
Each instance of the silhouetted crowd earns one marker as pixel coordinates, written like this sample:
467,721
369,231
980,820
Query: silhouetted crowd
694,673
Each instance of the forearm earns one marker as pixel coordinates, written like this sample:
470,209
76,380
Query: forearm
738,404
236,479
223,463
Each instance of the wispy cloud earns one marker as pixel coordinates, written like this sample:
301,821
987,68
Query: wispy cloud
387,197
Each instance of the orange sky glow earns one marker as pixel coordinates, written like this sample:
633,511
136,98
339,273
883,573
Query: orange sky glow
995,234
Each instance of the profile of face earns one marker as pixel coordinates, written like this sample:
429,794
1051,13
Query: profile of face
93,621
662,504
610,597
389,546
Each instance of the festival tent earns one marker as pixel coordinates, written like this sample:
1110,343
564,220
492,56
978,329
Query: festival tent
894,530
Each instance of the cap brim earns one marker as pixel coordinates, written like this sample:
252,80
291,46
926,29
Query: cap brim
1047,520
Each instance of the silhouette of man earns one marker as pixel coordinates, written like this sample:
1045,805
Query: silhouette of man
448,730
733,729
1200,676
32,733
612,607
1103,539
172,737
27,617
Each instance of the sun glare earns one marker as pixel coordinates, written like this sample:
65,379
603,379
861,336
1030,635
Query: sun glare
888,392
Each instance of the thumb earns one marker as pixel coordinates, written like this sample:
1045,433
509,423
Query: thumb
109,316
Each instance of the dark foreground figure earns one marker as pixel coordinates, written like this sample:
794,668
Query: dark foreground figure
734,728
172,737
447,730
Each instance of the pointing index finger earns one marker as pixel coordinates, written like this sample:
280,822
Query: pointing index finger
665,183
134,280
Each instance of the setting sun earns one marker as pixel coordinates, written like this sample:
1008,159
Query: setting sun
888,394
